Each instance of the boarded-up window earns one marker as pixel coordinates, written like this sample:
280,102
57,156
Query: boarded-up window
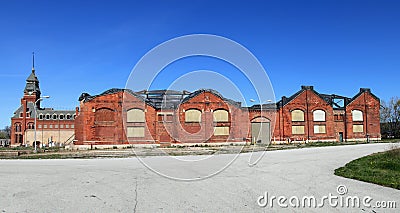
221,130
193,115
103,115
297,115
135,132
298,130
319,115
357,115
135,115
358,128
221,115
319,129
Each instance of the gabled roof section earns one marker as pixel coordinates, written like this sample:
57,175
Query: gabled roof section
286,100
85,97
16,113
214,92
362,91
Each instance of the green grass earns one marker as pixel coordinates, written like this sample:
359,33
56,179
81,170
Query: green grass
49,156
16,148
380,168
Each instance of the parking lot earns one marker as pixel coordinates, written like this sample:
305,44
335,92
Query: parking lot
126,185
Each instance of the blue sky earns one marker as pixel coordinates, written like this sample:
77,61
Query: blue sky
91,46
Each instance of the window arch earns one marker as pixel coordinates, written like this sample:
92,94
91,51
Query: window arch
61,116
47,116
41,116
260,119
193,115
357,115
68,117
297,115
135,115
319,115
221,115
55,116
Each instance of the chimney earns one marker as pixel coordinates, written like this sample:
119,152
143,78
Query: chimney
307,87
365,90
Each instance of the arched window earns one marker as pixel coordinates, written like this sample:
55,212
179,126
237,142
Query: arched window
135,115
297,115
61,116
357,115
102,115
193,115
41,116
17,127
319,115
68,116
30,126
55,116
47,116
221,115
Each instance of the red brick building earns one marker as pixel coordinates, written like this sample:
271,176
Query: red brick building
308,115
53,127
120,116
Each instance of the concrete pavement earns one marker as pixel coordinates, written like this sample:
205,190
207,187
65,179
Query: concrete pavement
126,185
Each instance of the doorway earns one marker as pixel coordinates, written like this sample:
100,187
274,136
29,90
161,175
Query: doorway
260,132
340,136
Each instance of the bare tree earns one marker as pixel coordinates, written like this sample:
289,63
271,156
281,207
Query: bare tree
390,117
7,129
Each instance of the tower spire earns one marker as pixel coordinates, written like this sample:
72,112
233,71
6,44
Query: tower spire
33,62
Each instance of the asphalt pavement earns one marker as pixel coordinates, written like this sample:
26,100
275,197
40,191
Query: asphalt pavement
221,183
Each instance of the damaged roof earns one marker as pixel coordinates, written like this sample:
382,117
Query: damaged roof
214,92
332,99
165,99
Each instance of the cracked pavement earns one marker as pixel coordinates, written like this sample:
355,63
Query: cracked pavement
125,185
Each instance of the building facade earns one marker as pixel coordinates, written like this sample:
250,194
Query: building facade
309,115
53,127
120,116
165,117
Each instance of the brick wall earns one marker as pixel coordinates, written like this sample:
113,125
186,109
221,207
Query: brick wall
169,125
